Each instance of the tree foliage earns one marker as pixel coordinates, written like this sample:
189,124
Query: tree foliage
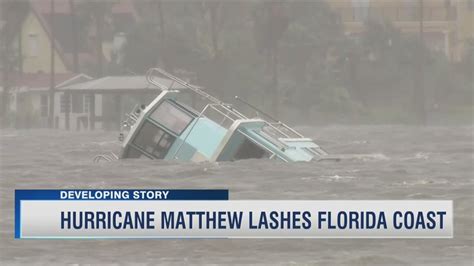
229,45
295,51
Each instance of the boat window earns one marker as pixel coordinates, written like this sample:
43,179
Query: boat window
154,140
269,135
249,150
171,117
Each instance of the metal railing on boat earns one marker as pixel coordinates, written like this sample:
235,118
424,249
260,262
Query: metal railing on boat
106,157
276,128
150,78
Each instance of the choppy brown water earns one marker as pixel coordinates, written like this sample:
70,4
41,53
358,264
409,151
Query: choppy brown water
386,162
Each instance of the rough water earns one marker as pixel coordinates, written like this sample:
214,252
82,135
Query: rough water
379,162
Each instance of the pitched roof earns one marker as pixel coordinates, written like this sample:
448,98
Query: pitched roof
122,11
40,80
47,29
44,6
120,83
75,79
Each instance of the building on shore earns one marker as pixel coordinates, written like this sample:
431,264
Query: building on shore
29,98
448,25
28,81
36,31
112,98
80,102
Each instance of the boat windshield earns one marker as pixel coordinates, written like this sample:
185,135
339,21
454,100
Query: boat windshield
172,117
153,140
250,150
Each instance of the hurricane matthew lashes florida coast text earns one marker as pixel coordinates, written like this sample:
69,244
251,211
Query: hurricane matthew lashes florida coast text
259,220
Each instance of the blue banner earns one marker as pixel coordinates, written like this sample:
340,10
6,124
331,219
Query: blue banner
112,195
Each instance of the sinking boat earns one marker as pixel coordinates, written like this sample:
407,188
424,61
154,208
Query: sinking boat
170,129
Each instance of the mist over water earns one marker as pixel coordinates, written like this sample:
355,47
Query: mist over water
378,162
307,62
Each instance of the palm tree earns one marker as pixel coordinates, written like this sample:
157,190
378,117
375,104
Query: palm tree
99,15
213,8
52,71
75,32
271,22
419,93
13,13
96,11
162,36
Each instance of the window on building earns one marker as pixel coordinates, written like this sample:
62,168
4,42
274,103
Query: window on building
44,105
78,103
33,44
87,103
65,103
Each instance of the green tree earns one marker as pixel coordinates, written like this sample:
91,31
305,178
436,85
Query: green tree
13,14
271,22
95,13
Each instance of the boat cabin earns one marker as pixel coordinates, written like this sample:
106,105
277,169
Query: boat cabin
170,129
